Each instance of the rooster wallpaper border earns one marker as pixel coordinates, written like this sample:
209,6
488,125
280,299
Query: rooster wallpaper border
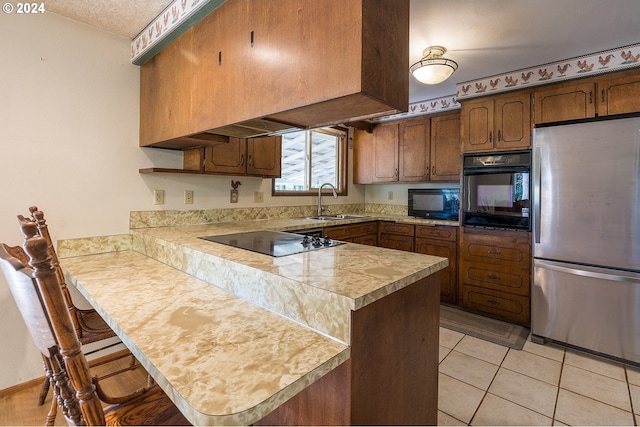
569,69
607,61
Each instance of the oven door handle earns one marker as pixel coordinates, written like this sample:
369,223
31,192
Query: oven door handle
537,191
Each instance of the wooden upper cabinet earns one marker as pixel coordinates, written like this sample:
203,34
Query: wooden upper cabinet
446,161
566,101
413,155
241,156
420,149
165,95
264,156
476,128
501,122
300,63
228,158
619,93
385,154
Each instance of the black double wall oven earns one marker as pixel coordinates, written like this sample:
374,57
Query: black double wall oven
496,190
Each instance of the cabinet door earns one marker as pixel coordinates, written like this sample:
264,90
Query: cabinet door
476,128
385,157
228,158
363,143
446,162
446,249
369,239
394,241
512,121
413,155
264,156
165,94
564,102
619,94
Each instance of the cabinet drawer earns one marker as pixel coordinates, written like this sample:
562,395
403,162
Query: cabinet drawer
340,232
498,253
496,277
514,308
439,232
494,246
396,228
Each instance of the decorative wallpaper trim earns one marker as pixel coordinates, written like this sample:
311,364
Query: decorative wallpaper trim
581,66
419,108
177,18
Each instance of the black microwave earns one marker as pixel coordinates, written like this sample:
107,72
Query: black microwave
434,203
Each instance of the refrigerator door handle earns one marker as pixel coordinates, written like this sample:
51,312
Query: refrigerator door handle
586,271
538,193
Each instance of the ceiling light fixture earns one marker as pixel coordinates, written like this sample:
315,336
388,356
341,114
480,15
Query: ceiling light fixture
433,68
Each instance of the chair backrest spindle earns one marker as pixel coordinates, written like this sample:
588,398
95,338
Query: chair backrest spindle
54,302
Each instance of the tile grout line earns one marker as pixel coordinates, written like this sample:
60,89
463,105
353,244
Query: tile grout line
555,405
489,386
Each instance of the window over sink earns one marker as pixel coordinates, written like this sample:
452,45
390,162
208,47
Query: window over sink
311,158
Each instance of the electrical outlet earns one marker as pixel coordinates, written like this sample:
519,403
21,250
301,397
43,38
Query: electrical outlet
158,197
390,196
258,197
188,197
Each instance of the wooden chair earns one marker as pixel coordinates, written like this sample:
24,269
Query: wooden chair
89,326
41,302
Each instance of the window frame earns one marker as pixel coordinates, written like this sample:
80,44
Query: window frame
342,169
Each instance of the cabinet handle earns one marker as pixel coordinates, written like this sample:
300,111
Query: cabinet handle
220,58
251,38
491,136
250,160
396,172
499,136
492,276
492,302
493,252
590,97
433,170
242,159
602,95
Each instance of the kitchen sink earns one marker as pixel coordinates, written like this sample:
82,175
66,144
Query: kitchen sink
335,217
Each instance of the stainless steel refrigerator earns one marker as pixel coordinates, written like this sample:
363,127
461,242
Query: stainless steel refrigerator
586,234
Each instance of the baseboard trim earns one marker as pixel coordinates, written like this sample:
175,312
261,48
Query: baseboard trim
37,381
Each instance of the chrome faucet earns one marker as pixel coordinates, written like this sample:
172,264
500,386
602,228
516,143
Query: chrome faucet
335,195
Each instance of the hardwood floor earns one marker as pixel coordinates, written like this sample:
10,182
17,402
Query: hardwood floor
21,407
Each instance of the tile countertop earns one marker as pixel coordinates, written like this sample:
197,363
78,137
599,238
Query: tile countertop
318,288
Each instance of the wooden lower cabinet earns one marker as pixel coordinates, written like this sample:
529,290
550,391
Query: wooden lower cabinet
392,375
495,273
364,233
437,240
441,241
394,235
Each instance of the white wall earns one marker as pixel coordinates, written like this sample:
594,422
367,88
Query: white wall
69,144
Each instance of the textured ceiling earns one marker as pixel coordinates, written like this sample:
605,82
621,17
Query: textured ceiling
485,37
123,17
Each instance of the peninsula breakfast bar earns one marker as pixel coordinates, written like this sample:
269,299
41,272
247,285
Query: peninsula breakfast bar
344,335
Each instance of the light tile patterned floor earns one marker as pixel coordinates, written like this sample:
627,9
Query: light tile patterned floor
482,383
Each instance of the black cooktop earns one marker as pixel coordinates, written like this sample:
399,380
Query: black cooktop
274,243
